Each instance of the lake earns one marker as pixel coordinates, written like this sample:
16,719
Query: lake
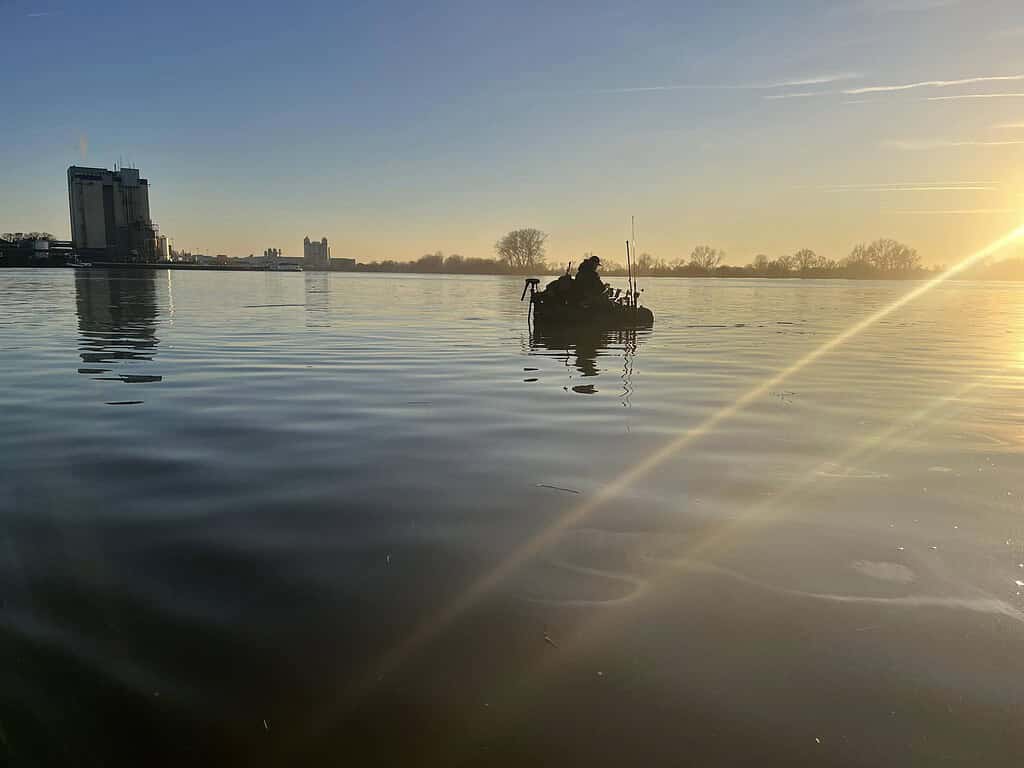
309,519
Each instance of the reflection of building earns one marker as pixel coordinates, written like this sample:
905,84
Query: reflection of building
117,317
110,214
316,255
318,299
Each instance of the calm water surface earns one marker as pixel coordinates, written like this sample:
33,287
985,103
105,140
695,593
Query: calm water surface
311,519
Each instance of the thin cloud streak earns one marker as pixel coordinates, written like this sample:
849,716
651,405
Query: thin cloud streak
926,144
975,96
797,95
951,212
910,189
906,6
901,184
818,80
931,84
908,186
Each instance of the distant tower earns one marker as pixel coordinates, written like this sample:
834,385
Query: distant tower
316,255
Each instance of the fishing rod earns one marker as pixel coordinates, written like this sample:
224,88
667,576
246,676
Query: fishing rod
629,275
636,288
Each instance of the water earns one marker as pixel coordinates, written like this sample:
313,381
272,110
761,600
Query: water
292,519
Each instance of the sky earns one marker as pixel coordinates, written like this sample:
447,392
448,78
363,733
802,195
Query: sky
396,129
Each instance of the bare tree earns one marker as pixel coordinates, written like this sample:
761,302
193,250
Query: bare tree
884,255
760,264
783,264
805,260
644,263
903,258
430,262
522,250
705,257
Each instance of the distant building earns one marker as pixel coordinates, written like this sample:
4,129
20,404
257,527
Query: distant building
163,248
288,264
110,215
342,265
316,255
33,249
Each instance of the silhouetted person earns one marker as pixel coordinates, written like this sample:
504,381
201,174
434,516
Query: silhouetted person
589,286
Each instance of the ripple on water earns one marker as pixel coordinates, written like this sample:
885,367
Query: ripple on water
893,572
304,486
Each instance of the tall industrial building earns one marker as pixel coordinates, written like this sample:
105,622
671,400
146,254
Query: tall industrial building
110,215
316,255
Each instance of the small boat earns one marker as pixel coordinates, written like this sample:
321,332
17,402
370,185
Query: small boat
586,302
77,263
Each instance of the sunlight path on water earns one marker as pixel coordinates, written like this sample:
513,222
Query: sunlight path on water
437,623
773,510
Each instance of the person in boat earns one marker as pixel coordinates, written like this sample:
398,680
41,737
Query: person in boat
589,285
587,290
586,298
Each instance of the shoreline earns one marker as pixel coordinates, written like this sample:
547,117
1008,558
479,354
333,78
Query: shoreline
357,271
241,268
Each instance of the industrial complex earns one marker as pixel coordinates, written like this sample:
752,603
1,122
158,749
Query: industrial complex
111,224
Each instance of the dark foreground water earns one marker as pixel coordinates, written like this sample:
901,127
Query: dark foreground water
309,519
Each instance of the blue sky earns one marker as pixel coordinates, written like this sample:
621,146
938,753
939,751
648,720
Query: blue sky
398,128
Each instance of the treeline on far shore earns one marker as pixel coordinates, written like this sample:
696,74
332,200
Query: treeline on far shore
522,252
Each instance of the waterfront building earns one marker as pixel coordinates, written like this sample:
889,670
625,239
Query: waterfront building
110,218
33,249
316,255
163,248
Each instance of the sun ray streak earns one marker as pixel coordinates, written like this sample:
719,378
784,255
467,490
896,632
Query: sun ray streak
469,597
698,557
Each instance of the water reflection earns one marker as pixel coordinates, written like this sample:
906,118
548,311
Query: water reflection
117,319
581,349
318,299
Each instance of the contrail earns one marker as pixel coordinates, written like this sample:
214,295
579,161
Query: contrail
930,84
796,83
976,96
